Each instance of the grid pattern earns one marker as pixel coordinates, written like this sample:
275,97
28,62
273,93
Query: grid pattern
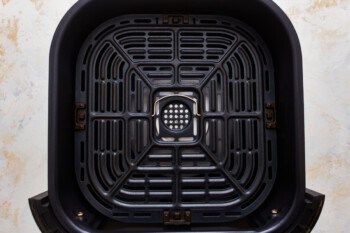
231,167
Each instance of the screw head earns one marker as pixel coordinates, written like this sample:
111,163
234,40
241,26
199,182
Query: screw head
79,214
275,211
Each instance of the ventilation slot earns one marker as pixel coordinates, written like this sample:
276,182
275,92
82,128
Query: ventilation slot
213,94
82,174
193,75
270,173
194,158
214,137
110,69
210,46
138,137
206,188
82,152
159,45
121,215
124,22
142,215
82,81
242,134
243,161
99,173
243,90
109,96
158,75
269,150
108,157
153,187
232,214
139,101
267,81
211,215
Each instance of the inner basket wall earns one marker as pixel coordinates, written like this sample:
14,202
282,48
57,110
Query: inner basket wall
264,17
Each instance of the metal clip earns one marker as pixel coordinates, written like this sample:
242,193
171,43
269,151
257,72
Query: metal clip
80,116
176,19
177,218
270,115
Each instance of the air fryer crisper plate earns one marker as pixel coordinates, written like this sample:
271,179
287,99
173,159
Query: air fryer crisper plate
175,118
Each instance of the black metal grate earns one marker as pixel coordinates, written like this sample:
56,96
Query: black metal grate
220,164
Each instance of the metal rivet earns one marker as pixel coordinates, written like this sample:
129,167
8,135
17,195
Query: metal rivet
275,211
79,214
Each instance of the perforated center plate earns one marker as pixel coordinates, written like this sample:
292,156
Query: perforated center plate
175,118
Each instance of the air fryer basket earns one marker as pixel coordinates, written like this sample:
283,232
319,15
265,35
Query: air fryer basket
171,116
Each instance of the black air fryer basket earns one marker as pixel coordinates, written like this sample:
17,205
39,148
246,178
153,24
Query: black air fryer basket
176,116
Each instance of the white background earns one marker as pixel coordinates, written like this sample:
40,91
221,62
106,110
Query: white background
26,30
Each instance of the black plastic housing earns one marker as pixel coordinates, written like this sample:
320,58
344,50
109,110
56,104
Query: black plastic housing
288,200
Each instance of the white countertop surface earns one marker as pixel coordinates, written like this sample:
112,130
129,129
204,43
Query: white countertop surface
26,30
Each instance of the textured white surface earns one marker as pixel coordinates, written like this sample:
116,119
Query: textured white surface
26,29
